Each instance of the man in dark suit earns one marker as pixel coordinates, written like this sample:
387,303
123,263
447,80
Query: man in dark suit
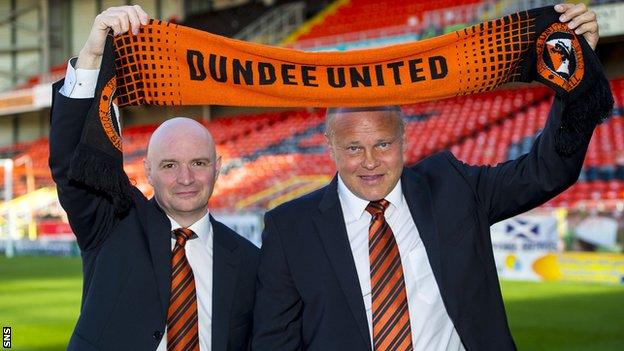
393,258
164,275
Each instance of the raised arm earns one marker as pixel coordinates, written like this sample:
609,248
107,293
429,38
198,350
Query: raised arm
518,185
90,213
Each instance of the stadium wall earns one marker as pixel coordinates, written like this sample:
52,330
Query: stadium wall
6,131
69,23
24,127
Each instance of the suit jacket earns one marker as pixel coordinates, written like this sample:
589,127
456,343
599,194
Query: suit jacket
309,296
127,259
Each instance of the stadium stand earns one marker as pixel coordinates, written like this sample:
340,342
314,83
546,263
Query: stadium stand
269,158
371,15
349,24
272,157
227,20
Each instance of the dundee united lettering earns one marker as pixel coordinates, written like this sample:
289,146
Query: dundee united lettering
223,69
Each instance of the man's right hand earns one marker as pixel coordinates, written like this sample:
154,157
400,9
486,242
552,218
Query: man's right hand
120,19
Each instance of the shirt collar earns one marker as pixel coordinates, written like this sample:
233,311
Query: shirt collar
356,206
202,228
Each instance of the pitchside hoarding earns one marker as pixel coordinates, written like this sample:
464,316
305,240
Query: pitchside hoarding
529,247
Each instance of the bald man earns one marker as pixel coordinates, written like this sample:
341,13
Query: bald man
165,275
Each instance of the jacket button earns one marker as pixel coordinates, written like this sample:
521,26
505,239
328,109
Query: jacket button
157,335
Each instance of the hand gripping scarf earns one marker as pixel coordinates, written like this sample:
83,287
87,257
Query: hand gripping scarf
167,64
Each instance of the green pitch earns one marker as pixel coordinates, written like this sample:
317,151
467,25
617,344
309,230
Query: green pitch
40,300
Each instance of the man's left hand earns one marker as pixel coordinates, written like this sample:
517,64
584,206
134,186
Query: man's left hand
580,19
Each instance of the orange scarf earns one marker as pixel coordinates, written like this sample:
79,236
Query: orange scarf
167,64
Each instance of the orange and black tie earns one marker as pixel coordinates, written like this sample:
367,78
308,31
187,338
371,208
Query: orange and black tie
391,322
182,322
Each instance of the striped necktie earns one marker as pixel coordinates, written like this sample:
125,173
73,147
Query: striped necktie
182,324
391,323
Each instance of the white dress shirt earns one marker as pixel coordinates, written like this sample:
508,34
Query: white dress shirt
80,84
432,328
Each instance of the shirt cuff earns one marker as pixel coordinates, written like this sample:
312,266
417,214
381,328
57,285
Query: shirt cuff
79,83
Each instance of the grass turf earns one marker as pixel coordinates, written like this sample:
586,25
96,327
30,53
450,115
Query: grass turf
40,300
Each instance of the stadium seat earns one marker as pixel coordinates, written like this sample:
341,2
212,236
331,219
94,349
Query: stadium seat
375,17
268,156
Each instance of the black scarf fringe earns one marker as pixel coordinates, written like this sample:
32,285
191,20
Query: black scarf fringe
103,173
581,115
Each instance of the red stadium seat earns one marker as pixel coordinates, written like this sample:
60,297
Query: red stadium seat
373,16
268,156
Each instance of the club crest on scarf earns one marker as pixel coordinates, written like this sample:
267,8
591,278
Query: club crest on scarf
106,113
560,57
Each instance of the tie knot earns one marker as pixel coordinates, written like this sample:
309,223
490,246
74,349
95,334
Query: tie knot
378,207
182,235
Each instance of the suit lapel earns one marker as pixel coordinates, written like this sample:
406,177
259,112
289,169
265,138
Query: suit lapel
224,272
333,234
157,229
418,196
